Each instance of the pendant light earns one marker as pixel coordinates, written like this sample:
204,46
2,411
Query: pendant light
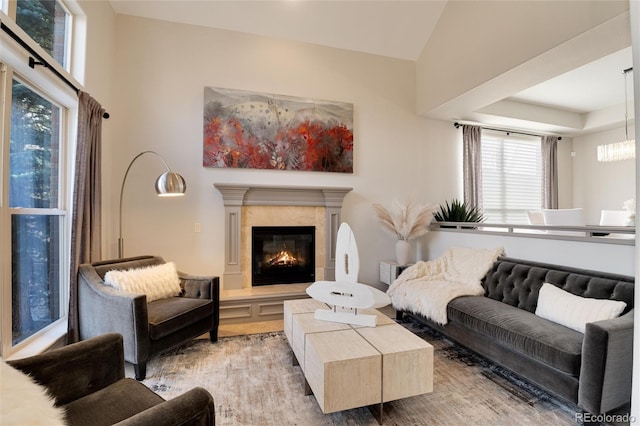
626,149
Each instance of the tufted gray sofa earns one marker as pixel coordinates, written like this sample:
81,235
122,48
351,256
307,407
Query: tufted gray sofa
592,370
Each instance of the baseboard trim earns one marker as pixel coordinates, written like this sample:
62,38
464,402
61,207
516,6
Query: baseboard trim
263,303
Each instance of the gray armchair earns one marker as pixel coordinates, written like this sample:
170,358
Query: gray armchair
147,328
87,380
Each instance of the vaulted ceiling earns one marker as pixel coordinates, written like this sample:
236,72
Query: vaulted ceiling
400,29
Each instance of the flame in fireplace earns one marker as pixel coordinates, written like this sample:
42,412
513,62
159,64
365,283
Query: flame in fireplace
282,258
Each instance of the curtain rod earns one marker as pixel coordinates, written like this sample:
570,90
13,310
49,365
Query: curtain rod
40,60
457,125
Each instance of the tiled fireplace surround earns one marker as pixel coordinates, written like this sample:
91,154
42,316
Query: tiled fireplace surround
257,205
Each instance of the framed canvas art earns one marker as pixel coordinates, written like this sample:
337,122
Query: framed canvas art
263,131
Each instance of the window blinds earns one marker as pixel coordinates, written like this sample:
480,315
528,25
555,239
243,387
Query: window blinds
511,178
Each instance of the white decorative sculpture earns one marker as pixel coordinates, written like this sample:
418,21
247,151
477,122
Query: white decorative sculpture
346,294
347,258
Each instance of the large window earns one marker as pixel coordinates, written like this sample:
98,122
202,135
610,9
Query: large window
47,22
38,114
35,207
511,177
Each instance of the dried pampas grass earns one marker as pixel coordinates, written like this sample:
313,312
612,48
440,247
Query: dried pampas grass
407,221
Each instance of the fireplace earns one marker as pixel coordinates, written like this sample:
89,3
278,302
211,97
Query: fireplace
282,254
248,205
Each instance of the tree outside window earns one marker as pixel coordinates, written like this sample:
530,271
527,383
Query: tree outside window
36,219
46,22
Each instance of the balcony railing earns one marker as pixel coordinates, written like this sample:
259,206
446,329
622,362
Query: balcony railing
592,233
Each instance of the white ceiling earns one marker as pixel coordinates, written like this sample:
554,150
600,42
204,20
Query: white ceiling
592,87
397,29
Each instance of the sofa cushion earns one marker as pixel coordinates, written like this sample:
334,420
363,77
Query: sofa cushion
112,404
157,282
574,311
169,315
520,330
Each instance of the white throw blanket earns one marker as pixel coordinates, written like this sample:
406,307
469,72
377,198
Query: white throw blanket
427,287
25,402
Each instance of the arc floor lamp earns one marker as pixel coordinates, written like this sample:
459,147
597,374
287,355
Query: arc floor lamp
168,184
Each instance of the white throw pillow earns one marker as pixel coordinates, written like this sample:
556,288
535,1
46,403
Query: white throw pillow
157,282
562,307
25,402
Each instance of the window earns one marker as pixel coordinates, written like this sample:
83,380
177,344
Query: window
37,220
47,22
511,177
39,112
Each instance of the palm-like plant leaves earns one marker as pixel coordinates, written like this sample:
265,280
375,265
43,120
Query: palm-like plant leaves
458,211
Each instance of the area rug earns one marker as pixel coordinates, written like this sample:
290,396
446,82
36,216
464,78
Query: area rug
253,382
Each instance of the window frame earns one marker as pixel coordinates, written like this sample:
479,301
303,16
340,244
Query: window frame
14,64
9,7
488,134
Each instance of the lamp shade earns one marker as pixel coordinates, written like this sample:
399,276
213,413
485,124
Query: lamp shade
170,184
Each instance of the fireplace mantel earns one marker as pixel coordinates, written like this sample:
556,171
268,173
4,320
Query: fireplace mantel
262,195
237,195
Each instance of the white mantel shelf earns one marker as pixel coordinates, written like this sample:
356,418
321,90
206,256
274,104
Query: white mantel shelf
235,196
263,195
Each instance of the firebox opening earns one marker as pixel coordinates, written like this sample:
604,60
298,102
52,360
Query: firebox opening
282,254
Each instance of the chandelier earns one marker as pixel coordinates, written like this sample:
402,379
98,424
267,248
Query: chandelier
626,149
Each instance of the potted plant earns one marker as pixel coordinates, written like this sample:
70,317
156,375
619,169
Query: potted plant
458,211
406,221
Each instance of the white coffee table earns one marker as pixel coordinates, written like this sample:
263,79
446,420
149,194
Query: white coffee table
349,366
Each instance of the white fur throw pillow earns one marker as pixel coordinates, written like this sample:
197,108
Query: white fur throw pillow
562,307
25,402
157,282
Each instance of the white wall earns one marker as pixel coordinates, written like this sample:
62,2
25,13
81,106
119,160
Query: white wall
601,186
614,258
635,31
153,90
99,52
158,79
160,72
477,41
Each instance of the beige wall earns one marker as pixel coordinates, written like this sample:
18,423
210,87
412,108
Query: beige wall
159,75
601,186
99,22
477,41
150,76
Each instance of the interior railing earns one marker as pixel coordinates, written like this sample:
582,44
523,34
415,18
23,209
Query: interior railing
624,235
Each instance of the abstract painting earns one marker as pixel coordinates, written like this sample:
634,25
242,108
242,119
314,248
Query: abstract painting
263,131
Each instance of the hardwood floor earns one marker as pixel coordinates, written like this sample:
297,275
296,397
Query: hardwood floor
227,330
